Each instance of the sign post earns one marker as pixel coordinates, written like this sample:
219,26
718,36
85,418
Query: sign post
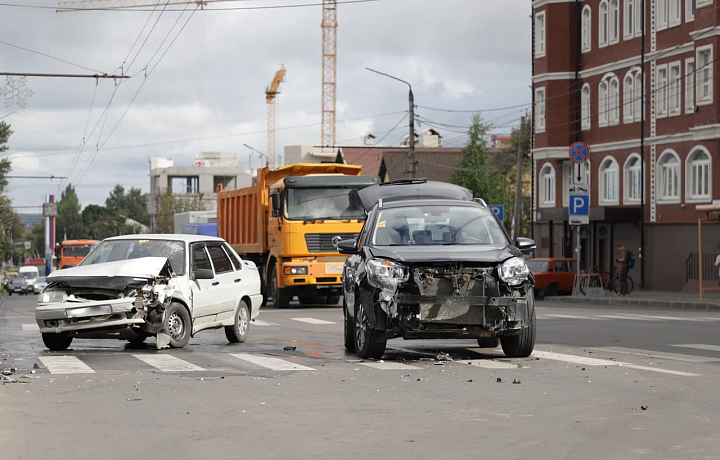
579,206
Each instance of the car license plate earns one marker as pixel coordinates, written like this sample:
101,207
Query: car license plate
333,269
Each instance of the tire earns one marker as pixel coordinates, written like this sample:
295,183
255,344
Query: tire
332,300
367,340
238,332
57,342
552,290
177,325
522,345
281,297
309,300
488,342
590,283
348,331
631,285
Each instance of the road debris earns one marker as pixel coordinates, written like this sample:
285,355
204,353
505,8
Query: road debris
442,356
499,380
290,348
470,380
643,407
133,399
516,382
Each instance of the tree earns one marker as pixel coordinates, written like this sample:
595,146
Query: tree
170,204
8,218
131,204
523,228
101,222
69,222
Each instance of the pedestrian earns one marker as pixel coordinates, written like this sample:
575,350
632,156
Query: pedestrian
624,262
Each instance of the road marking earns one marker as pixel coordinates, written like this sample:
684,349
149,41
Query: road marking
663,318
662,371
312,321
593,318
65,365
657,354
699,346
169,363
489,364
259,322
605,362
632,318
274,364
390,366
30,327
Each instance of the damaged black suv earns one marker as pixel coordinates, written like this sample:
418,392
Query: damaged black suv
432,263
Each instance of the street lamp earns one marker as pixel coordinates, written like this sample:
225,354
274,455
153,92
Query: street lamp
259,153
411,99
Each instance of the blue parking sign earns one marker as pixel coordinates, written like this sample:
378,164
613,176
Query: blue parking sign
498,210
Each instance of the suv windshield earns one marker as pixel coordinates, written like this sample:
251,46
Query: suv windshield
437,225
114,250
323,203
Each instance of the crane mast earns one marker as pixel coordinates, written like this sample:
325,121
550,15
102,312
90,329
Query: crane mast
270,96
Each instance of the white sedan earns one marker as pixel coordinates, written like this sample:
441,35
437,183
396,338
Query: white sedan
136,286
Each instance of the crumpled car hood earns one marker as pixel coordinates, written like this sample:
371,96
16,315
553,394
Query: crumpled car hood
458,253
146,267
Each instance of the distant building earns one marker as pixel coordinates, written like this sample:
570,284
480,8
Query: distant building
201,179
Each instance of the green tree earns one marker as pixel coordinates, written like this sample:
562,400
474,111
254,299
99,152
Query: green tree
170,204
130,204
524,226
8,218
101,222
69,222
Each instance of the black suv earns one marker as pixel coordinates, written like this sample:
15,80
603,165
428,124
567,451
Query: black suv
432,263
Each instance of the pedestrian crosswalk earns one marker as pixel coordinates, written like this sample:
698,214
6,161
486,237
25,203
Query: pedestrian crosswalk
312,321
597,316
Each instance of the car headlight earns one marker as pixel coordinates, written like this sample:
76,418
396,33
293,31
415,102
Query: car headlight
52,296
385,274
514,271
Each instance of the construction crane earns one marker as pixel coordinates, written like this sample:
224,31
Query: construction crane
329,48
270,94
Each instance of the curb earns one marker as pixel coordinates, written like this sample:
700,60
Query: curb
663,304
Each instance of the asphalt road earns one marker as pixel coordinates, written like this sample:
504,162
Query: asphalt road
579,396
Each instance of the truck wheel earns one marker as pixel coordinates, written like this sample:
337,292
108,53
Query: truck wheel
522,345
348,330
177,325
309,300
281,297
57,342
333,300
238,332
367,341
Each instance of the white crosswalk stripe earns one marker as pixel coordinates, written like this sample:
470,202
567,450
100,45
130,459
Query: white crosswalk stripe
30,327
258,322
585,361
664,318
169,363
490,364
312,321
631,318
593,318
699,346
658,354
65,365
274,364
390,366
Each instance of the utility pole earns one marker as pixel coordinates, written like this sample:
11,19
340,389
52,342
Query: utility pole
517,208
411,140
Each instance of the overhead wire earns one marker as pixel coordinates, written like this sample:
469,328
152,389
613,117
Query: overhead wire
145,9
53,57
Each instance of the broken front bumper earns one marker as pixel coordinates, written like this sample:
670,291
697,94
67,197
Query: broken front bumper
56,317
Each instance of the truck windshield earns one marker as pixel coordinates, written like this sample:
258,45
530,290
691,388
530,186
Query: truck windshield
323,203
76,250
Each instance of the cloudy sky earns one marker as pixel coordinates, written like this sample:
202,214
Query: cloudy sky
207,91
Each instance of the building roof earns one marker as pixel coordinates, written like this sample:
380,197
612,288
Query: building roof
433,163
369,157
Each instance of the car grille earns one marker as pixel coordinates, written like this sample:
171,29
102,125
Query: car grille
322,242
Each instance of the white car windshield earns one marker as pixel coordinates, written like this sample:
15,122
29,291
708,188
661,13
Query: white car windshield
437,225
114,250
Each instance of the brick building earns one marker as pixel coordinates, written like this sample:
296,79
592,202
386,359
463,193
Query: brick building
589,65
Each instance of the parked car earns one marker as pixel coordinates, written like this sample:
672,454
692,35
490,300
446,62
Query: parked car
553,276
430,263
17,285
40,284
132,287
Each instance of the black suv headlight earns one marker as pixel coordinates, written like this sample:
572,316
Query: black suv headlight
385,274
514,271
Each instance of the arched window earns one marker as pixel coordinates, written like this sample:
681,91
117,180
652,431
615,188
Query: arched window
614,22
603,103
699,175
585,106
632,174
614,101
603,32
547,186
669,177
628,95
638,99
608,181
609,100
586,29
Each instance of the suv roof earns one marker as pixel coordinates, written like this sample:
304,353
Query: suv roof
408,189
404,202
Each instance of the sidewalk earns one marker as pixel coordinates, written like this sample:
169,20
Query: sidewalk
654,299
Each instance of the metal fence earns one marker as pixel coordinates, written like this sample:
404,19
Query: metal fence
709,270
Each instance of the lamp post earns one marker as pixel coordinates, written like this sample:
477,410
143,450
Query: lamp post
259,153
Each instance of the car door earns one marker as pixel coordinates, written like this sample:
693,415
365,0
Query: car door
226,288
204,292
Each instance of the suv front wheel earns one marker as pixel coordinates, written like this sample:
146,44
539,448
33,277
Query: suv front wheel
367,340
523,344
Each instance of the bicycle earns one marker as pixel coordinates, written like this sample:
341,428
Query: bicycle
611,280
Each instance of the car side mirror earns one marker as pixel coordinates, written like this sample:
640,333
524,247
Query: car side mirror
276,204
525,245
347,247
203,274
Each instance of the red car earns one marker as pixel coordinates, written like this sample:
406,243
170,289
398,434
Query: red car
553,276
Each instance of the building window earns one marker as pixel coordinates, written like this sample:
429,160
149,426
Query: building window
602,103
699,171
614,102
632,179
689,85
704,72
540,110
675,13
639,98
586,29
674,89
614,22
609,181
669,176
661,8
603,32
689,10
547,186
629,15
540,35
585,107
628,95
662,91
701,3
639,6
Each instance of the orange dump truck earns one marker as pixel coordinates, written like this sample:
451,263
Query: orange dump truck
290,223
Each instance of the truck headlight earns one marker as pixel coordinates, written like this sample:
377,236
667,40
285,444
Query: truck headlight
514,271
385,274
52,296
296,270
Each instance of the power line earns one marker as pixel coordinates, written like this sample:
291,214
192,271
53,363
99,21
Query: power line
495,109
51,57
122,10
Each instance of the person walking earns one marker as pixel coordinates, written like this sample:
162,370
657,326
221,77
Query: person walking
623,261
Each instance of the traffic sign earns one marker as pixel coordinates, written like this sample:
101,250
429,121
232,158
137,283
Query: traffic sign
579,152
579,208
498,210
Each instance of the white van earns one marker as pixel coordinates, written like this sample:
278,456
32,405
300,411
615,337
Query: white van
29,273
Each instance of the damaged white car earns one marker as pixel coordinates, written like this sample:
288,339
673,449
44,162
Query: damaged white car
138,286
